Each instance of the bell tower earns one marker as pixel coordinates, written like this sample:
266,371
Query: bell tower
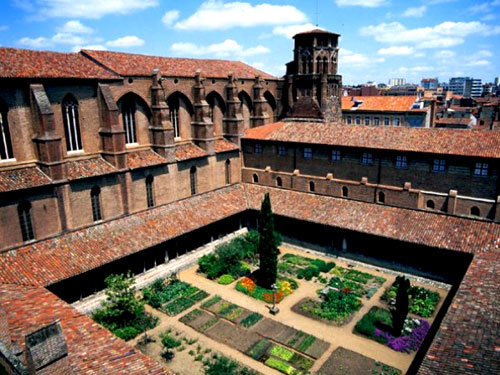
312,80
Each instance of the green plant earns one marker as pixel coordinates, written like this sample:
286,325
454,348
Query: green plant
188,318
126,333
281,352
225,279
199,357
306,343
269,241
221,366
251,319
281,366
358,276
210,302
301,361
259,349
208,324
170,342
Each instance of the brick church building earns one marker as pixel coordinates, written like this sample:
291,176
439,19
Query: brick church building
112,161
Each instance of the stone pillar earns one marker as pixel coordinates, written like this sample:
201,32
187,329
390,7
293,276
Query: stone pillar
233,121
452,202
111,131
48,142
203,128
324,92
260,116
161,130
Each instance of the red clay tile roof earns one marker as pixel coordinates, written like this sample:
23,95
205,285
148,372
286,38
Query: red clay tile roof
22,178
188,151
223,145
436,141
129,64
91,348
468,340
316,31
419,227
88,168
381,103
453,121
144,158
22,63
52,260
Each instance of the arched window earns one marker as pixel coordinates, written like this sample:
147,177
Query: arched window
174,115
279,182
474,211
246,107
71,123
318,65
5,142
192,180
325,65
381,197
345,191
24,211
128,113
96,203
150,191
430,204
311,186
255,178
228,171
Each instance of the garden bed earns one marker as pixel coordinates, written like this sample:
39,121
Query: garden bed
363,284
423,302
303,267
249,287
232,335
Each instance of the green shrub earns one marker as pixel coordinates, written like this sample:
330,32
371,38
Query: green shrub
225,279
170,342
210,302
151,297
308,273
222,366
126,333
376,316
251,319
281,366
280,352
209,264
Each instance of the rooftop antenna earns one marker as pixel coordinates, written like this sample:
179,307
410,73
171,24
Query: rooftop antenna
317,14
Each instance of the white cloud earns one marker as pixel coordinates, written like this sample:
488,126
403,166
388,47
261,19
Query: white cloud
422,69
350,59
65,38
40,42
484,7
478,63
395,50
440,43
290,31
75,27
95,47
420,54
445,54
225,49
170,17
90,8
362,3
126,41
4,27
415,12
483,53
216,15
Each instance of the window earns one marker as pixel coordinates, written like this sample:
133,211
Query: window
308,153
335,155
474,211
255,178
358,120
381,197
367,120
211,112
481,170
192,180
387,121
430,204
345,191
367,158
149,191
24,211
439,166
258,148
227,171
281,150
96,203
349,120
396,121
401,162
376,121
71,124
174,116
311,186
5,143
279,182
128,112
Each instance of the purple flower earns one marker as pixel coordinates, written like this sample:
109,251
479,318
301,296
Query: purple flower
406,343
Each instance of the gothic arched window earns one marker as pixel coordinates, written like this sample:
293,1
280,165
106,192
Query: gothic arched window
128,113
150,197
71,123
95,197
5,142
24,212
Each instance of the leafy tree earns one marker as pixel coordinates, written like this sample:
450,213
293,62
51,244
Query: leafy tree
400,312
269,241
222,366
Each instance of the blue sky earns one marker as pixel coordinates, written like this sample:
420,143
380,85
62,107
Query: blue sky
381,39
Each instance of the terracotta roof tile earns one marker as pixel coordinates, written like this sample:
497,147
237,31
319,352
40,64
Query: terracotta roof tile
380,103
223,145
144,158
437,141
188,151
22,63
88,168
129,64
315,31
22,178
91,348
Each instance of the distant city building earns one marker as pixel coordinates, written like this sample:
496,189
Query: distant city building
497,81
430,83
466,86
397,82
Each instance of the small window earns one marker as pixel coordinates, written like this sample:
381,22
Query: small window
192,180
71,124
367,158
439,166
255,178
150,191
401,162
387,121
396,121
381,197
308,153
376,121
349,120
96,203
358,120
335,155
174,115
311,186
24,212
474,211
279,182
481,170
367,120
430,204
5,142
281,150
345,191
227,171
258,148
128,113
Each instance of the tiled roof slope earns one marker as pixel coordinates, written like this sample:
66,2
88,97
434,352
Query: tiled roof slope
437,141
144,158
22,63
91,348
129,64
188,151
223,145
52,260
88,168
22,178
424,228
380,103
468,340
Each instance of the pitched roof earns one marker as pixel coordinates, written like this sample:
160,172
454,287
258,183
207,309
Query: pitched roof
91,348
129,64
188,151
428,140
22,178
223,145
316,31
381,103
22,63
88,168
144,158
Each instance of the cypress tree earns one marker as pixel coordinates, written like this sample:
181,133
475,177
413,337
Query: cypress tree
400,312
269,241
